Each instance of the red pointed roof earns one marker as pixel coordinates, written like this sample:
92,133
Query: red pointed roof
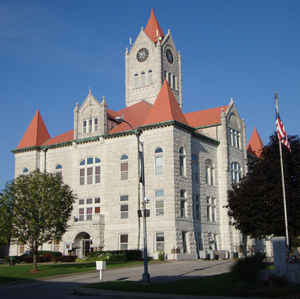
204,117
255,145
36,133
165,107
65,137
152,29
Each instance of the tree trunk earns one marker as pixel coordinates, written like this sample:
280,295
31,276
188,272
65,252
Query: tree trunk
34,255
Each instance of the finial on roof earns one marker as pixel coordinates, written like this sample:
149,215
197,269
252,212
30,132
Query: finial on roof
103,100
231,101
90,92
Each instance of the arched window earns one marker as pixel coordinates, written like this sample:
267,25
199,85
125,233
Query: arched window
150,77
209,172
182,162
90,171
143,79
25,170
236,172
159,163
124,167
136,80
58,170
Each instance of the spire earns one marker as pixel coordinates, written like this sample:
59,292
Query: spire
255,145
165,107
153,29
36,133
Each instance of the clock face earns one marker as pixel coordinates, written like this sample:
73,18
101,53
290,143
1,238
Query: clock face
169,56
142,54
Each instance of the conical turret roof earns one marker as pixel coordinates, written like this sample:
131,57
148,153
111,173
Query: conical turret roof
152,29
36,133
255,145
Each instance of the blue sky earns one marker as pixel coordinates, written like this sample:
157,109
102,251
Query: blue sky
52,52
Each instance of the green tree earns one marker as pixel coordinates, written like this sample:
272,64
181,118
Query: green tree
5,219
256,203
39,206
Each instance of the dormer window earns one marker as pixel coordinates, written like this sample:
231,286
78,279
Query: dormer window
96,124
90,125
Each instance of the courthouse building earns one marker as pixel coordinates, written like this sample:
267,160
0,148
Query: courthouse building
190,162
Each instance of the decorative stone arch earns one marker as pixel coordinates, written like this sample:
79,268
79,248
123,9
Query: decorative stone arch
82,244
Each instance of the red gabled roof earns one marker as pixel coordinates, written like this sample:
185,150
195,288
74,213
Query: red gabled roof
255,145
134,114
204,117
152,29
165,107
36,133
65,137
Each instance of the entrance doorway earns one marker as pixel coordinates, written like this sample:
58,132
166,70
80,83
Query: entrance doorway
82,244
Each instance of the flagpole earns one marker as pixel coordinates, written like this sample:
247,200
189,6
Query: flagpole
282,179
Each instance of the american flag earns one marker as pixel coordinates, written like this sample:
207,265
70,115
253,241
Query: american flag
281,133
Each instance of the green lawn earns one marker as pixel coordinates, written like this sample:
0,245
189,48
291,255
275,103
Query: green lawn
218,285
21,272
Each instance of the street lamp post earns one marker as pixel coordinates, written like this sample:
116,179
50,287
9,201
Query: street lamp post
141,180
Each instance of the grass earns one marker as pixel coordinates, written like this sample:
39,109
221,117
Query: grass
218,285
21,272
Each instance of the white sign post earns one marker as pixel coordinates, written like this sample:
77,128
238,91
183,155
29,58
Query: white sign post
100,266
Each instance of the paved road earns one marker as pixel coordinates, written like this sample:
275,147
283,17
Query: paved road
63,287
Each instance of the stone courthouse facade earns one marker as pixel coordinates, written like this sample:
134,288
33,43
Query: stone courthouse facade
190,161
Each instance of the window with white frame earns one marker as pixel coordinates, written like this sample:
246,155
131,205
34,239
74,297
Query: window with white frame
124,167
182,203
123,241
95,124
81,214
124,206
209,173
211,209
182,162
90,171
236,172
169,78
90,125
136,80
89,213
159,202
235,138
160,241
159,163
195,168
184,244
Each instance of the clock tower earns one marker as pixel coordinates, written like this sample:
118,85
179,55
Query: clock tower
148,62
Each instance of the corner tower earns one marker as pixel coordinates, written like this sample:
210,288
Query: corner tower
152,59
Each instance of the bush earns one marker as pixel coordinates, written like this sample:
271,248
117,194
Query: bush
67,258
131,255
161,256
248,268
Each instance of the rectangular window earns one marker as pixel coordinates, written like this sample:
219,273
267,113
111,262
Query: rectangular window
184,247
182,203
208,209
90,125
231,137
89,171
81,201
124,211
169,78
84,126
159,202
96,124
97,210
213,209
124,170
81,214
89,201
174,82
159,164
89,213
143,80
197,207
81,179
124,242
97,200
136,80
160,241
97,174
238,140
124,198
